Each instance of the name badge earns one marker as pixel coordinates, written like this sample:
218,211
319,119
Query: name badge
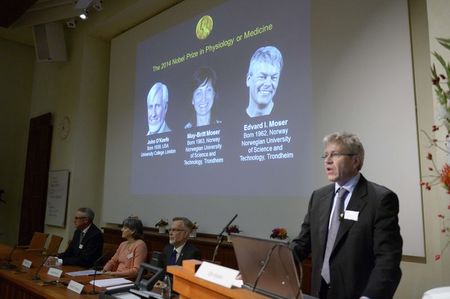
130,255
351,215
80,246
27,263
55,272
75,287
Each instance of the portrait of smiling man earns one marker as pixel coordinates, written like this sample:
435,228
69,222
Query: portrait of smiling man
157,104
262,80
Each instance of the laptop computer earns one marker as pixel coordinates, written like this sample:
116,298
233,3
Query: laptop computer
267,266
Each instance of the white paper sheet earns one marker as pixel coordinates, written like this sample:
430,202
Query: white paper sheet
83,273
103,283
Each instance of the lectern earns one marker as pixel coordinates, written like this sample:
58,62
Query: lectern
190,287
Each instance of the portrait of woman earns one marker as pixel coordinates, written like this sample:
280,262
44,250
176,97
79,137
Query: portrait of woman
203,96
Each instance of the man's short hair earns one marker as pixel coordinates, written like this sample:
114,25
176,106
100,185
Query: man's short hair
158,86
187,223
268,54
350,141
88,212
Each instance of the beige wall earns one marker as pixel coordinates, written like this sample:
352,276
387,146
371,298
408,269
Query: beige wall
79,91
78,88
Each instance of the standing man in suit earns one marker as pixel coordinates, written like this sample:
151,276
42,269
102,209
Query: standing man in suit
179,247
87,242
352,235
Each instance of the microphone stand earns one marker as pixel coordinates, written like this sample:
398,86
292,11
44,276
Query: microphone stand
220,238
264,265
94,292
8,264
36,275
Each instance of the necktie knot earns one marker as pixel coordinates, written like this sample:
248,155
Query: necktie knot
342,192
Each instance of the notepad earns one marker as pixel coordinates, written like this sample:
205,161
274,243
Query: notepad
103,283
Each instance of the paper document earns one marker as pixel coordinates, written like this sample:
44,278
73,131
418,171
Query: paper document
126,296
121,286
103,283
83,273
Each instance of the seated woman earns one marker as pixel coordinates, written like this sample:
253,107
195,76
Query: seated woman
131,253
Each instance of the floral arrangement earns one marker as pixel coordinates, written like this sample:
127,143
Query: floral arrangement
233,229
441,85
279,233
195,226
440,175
162,223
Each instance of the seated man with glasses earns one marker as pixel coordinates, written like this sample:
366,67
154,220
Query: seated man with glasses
87,241
179,248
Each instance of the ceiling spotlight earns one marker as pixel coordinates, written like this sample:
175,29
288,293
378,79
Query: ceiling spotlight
71,23
98,5
84,14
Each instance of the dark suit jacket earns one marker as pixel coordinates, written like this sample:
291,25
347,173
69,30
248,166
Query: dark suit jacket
91,251
366,258
188,252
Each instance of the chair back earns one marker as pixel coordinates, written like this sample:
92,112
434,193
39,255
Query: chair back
38,241
53,245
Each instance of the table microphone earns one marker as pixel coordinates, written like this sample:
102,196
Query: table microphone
220,237
94,266
7,264
36,275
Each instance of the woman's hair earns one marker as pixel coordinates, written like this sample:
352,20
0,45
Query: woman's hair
204,74
134,224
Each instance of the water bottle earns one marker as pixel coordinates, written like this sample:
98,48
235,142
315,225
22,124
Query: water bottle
166,291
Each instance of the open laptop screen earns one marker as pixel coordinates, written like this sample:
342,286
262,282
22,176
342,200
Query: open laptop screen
279,278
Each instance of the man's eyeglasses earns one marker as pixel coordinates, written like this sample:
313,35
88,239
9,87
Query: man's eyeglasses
78,218
335,155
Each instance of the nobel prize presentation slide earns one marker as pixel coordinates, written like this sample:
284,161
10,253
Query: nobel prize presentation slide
223,96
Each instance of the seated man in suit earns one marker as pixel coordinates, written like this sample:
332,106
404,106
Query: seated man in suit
87,241
179,248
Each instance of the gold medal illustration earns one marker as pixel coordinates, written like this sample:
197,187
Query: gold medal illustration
204,27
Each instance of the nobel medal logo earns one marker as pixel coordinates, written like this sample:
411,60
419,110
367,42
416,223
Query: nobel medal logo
204,27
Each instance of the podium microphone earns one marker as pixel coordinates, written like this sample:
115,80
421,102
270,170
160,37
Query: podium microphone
264,265
36,275
220,237
7,264
94,266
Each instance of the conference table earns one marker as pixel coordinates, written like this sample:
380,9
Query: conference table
18,283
